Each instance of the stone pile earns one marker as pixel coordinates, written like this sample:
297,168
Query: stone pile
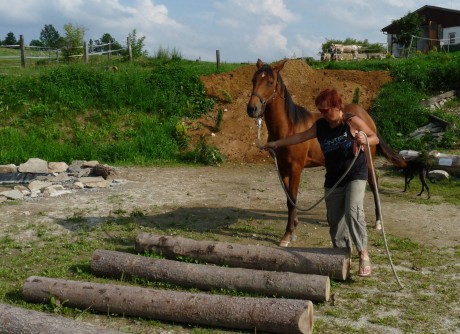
39,178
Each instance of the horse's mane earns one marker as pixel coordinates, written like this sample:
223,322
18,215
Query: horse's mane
296,113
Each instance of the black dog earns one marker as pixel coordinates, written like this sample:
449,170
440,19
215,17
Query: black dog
413,167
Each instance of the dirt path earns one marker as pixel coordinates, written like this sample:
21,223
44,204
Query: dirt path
207,198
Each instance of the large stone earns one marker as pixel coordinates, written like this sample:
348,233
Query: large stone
57,167
11,168
34,165
438,175
94,182
38,185
12,194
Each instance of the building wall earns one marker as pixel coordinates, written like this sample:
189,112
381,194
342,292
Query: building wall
446,31
426,45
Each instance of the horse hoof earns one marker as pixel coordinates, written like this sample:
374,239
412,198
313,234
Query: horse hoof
294,238
284,243
378,225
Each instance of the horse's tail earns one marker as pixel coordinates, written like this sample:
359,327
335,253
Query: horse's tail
390,154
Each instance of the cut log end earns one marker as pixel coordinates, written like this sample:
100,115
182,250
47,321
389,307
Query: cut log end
305,322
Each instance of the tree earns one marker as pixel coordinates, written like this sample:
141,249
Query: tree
73,41
36,42
137,45
49,36
108,39
407,26
10,39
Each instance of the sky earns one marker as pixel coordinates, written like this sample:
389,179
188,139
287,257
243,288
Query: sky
242,30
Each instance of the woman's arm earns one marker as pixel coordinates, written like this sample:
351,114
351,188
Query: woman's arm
292,140
357,124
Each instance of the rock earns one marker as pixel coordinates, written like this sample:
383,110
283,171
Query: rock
438,175
57,167
38,185
34,165
94,182
23,189
13,194
11,168
90,164
55,190
56,179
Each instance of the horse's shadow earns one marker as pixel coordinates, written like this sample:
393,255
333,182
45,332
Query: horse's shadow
257,224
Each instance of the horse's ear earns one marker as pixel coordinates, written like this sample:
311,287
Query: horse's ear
279,66
259,63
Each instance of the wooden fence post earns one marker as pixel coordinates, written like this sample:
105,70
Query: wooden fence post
23,50
85,52
217,58
130,50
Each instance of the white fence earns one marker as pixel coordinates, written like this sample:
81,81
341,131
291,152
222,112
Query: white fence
52,54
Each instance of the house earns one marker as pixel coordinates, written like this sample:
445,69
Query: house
440,30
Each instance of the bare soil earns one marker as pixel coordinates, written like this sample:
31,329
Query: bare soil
246,186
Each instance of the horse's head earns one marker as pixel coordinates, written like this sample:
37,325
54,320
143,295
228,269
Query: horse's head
265,85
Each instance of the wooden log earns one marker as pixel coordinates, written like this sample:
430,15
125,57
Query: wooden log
436,160
260,314
333,262
15,320
208,277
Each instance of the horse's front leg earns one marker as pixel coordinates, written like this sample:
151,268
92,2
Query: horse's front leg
291,183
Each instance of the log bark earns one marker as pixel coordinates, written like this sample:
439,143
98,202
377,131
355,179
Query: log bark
208,277
262,314
333,262
15,320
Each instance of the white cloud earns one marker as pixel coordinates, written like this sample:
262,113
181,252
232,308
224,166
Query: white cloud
275,8
269,40
308,47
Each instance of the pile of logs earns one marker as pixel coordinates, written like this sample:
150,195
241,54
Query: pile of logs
299,276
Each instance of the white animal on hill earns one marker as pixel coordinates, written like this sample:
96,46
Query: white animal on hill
339,49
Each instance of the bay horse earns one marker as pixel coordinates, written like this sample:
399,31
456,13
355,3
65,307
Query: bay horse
271,100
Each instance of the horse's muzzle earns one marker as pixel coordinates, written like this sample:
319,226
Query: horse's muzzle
255,108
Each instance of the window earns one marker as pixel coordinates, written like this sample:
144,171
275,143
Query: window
451,38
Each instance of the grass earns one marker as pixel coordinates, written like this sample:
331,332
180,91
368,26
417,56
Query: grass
74,112
427,303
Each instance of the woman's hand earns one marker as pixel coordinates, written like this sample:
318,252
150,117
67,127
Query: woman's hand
360,137
271,145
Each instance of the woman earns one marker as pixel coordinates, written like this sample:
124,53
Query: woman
337,132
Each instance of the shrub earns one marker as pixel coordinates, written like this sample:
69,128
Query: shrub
398,112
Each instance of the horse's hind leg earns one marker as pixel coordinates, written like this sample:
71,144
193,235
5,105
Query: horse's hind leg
373,186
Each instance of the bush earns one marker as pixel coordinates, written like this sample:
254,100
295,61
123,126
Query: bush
398,112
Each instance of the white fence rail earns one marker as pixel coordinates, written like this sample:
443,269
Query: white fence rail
53,54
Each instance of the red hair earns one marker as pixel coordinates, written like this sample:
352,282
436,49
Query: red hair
331,96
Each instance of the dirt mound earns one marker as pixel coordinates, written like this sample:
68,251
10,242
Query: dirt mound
238,133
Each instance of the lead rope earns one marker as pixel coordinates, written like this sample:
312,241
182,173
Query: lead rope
273,155
374,179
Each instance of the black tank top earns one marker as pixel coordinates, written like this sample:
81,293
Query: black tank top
337,146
